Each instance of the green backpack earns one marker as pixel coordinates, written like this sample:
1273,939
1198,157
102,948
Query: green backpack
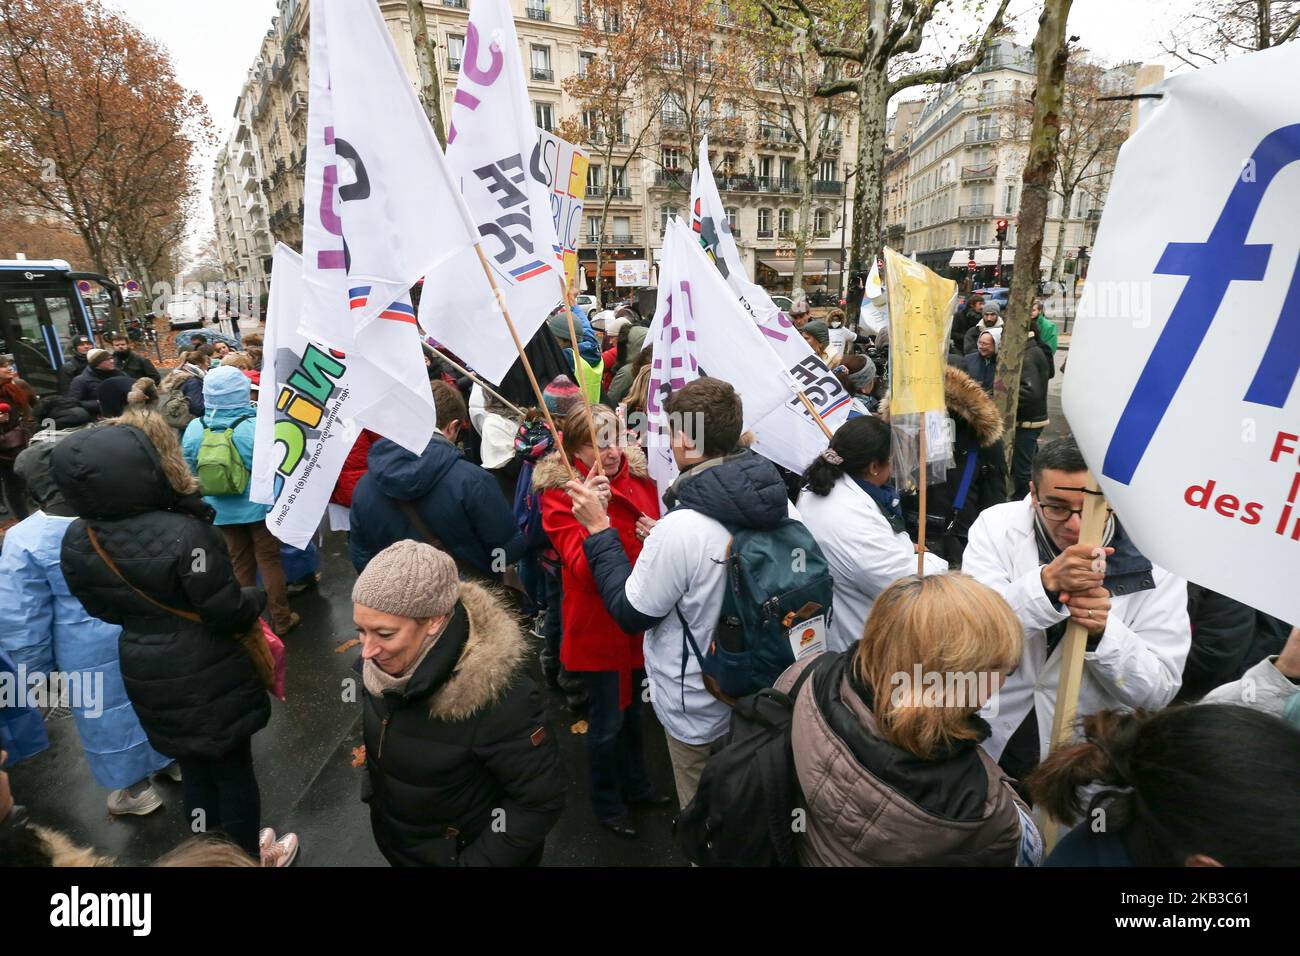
220,469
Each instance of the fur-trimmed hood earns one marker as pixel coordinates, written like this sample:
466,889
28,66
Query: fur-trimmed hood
551,473
967,400
493,656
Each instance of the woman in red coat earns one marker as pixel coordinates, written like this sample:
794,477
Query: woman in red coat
595,648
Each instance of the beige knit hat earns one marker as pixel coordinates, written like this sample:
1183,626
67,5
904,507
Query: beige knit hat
409,579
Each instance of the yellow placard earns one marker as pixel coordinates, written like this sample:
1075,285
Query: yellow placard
920,317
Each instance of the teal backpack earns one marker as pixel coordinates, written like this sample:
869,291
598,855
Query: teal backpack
777,581
220,469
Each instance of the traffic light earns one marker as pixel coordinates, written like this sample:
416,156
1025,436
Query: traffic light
1002,230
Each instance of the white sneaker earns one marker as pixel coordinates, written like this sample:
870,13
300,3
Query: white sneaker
264,840
122,802
172,772
282,852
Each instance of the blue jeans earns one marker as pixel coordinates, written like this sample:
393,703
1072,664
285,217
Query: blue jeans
615,751
1022,459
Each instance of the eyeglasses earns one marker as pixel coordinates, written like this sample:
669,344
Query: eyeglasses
1062,513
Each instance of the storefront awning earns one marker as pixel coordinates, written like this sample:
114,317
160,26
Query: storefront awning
989,257
814,264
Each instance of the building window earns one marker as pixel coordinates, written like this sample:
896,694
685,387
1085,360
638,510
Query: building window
593,180
765,224
593,228
455,51
821,223
765,167
732,215
783,222
544,113
671,158
622,230
541,61
827,170
1009,200
584,63
666,213
974,234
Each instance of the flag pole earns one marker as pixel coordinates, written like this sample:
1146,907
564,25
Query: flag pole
1073,646
528,368
565,290
813,412
923,483
482,384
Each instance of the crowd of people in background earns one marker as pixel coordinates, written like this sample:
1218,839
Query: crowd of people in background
503,540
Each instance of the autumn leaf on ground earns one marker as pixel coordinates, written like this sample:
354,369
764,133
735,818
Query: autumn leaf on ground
347,646
359,756
579,728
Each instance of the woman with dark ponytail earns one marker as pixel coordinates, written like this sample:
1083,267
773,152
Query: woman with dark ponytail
852,510
1210,785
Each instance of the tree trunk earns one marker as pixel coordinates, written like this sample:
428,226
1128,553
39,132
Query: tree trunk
430,80
804,227
1058,257
872,105
1050,53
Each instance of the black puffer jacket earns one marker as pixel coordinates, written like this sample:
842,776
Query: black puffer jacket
1034,373
461,768
192,685
72,366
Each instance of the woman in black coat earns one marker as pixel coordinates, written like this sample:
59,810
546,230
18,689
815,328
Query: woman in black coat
461,769
195,689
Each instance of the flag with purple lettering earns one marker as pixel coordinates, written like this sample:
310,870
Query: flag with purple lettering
700,329
381,207
800,439
493,152
313,402
1185,352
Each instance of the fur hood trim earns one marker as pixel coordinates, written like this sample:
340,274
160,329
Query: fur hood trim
551,473
967,400
493,656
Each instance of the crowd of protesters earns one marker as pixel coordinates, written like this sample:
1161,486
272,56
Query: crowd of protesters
143,559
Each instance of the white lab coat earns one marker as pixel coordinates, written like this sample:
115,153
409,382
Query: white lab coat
1138,662
865,554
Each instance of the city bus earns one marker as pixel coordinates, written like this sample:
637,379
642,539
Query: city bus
41,310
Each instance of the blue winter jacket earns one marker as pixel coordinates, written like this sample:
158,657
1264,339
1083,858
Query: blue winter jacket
231,509
46,629
459,502
589,347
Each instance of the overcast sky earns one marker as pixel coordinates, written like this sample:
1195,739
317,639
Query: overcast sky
213,43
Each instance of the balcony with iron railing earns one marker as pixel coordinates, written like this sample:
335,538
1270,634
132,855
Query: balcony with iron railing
982,135
1093,215
621,192
672,178
458,4
777,135
538,13
988,171
453,64
543,75
975,210
765,233
828,187
621,238
595,191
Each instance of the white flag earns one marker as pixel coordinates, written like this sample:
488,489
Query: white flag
313,402
381,207
493,152
799,439
1182,390
700,329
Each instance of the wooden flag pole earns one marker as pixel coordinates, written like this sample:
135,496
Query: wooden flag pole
528,368
482,384
1074,645
813,412
586,402
923,481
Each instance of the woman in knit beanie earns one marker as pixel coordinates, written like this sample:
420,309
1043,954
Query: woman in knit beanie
462,769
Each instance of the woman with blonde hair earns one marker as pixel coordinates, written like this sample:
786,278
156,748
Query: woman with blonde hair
886,735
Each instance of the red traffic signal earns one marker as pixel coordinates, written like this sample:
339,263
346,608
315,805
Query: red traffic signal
1002,229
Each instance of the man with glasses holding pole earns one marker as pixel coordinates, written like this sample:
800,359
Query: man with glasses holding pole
1135,613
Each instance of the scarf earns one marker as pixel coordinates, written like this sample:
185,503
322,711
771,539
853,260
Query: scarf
379,682
886,499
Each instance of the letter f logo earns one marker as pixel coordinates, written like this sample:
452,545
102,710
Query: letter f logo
1210,267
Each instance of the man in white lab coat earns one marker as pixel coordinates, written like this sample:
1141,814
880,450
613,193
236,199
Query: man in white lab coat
1135,614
